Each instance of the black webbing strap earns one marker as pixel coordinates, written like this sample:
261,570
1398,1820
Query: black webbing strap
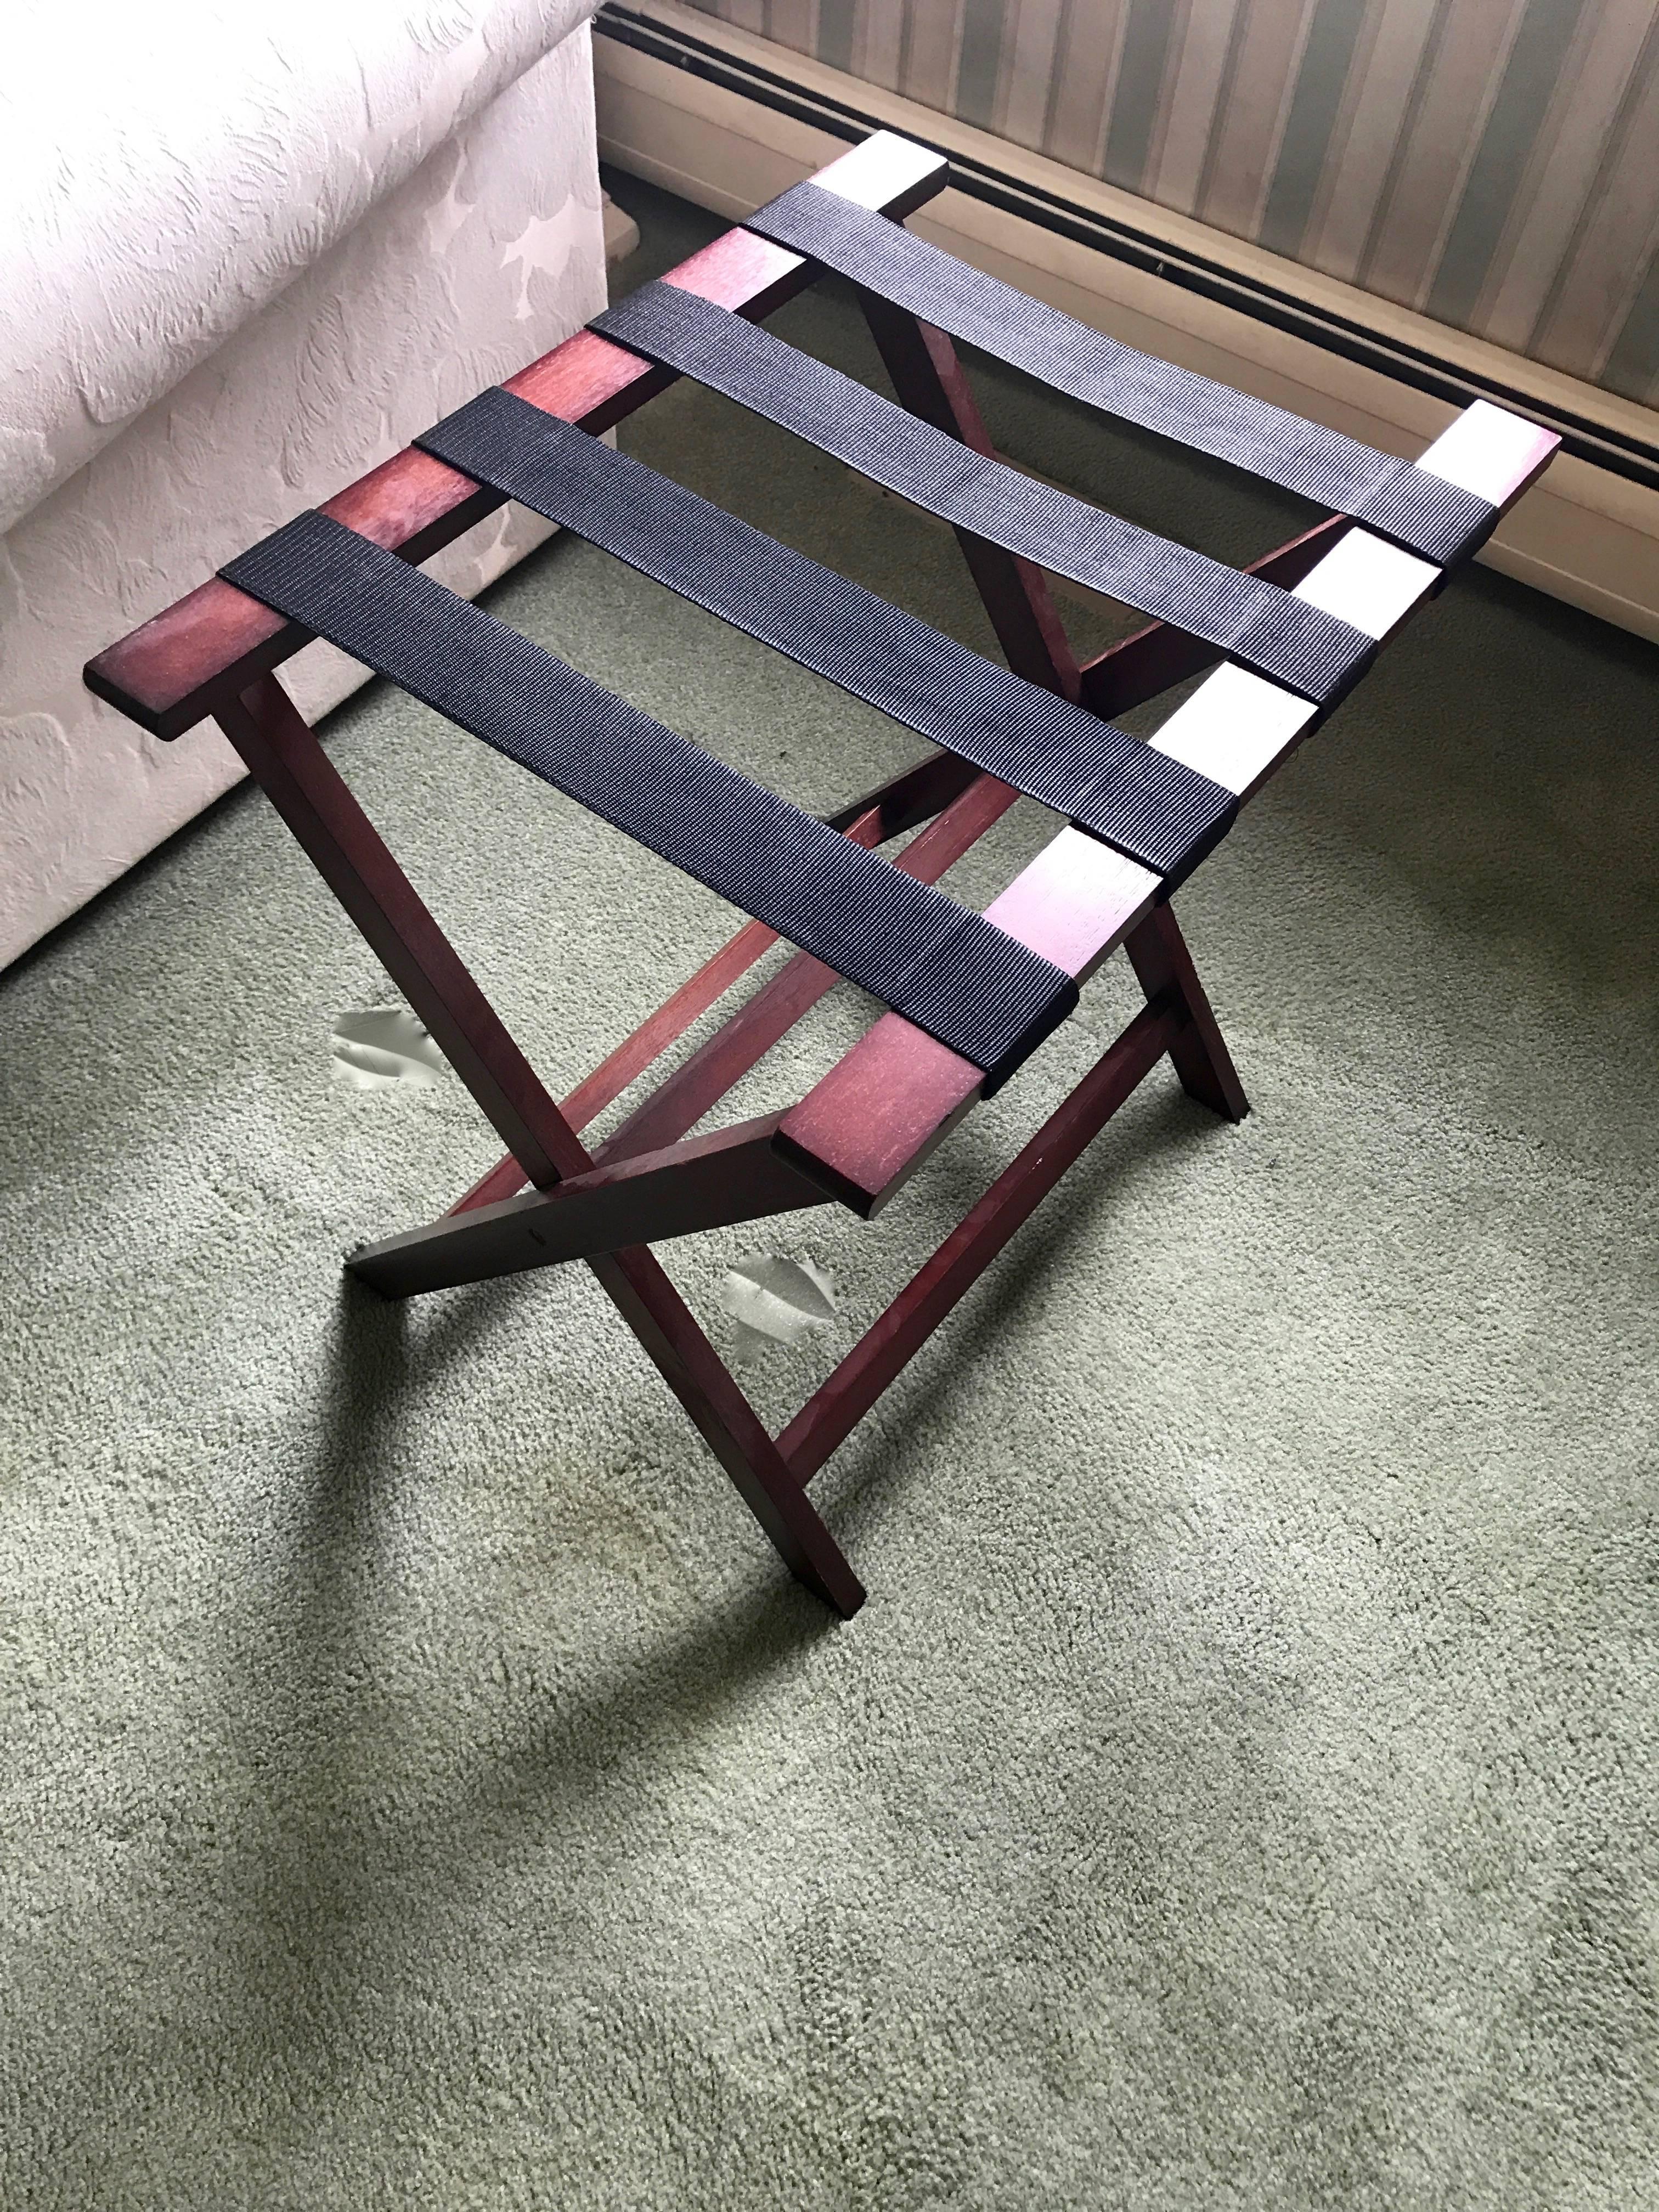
947,970
1426,515
1313,652
1158,811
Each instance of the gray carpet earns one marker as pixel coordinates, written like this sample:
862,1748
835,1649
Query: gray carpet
420,1786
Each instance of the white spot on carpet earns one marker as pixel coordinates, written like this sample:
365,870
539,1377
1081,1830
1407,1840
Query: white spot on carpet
375,1047
775,1301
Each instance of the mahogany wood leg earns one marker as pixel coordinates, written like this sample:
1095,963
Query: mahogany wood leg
307,789
729,1425
282,754
1158,953
828,1417
931,383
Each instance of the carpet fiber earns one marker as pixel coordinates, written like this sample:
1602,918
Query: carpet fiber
421,1785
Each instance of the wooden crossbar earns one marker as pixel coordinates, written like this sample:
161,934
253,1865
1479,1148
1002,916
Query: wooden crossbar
861,1131
703,1183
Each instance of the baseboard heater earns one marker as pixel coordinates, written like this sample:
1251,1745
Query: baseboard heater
727,119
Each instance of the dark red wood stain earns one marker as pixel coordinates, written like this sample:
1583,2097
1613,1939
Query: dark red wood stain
861,1131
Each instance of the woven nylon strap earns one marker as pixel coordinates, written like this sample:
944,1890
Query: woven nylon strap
1428,516
1313,652
949,970
1157,810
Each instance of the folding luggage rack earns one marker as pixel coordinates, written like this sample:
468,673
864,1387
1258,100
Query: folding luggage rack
970,996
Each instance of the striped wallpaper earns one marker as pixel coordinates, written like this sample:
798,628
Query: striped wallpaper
1493,163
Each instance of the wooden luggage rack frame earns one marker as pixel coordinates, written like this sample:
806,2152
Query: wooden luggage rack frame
859,1132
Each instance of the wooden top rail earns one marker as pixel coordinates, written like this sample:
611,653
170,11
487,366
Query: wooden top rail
202,651
1238,728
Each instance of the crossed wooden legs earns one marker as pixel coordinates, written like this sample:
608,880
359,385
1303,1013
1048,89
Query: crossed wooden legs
283,753
1158,953
644,1187
648,1180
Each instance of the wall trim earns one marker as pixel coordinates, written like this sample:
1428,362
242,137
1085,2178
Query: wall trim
727,119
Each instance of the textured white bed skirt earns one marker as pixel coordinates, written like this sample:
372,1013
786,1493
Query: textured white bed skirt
348,292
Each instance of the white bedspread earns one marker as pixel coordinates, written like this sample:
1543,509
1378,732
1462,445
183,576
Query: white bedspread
167,170
239,266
